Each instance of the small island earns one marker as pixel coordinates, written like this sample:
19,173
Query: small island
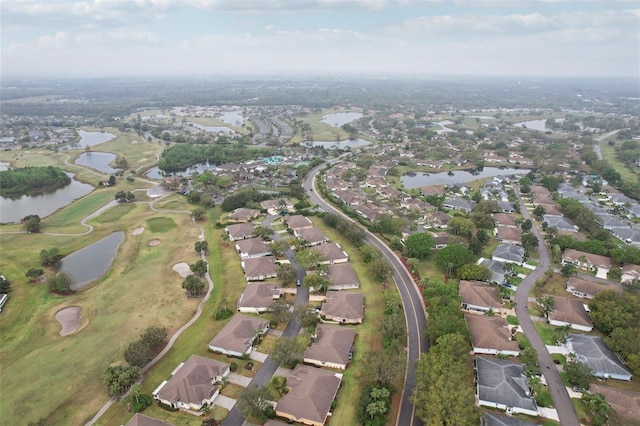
29,180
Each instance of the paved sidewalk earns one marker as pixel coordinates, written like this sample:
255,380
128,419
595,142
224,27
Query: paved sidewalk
258,356
281,371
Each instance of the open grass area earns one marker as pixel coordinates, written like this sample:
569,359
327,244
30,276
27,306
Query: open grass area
323,131
546,332
267,344
139,291
609,154
160,224
555,286
116,213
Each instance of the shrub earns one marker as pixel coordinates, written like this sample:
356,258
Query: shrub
141,403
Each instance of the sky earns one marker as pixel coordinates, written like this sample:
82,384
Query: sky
98,38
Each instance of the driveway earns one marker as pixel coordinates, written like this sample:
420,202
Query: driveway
564,407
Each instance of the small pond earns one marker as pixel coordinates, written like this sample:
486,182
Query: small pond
233,118
340,118
540,125
98,161
12,210
417,180
348,143
156,173
211,129
93,261
90,139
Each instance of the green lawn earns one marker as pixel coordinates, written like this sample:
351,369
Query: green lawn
116,213
609,154
512,319
546,332
160,224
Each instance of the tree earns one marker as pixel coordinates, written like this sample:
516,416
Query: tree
50,257
119,378
199,268
526,225
262,232
547,303
529,242
280,311
287,274
461,226
568,270
306,316
135,399
442,395
254,403
31,223
380,268
121,196
287,351
138,354
279,247
539,211
194,286
202,247
578,374
598,406
451,257
112,180
154,336
316,282
383,367
610,311
199,213
33,274
530,358
61,283
308,258
419,245
129,197
471,271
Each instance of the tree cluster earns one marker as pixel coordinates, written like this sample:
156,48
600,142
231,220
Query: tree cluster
31,223
61,283
195,286
125,197
120,378
243,199
142,351
181,156
374,406
348,229
443,308
18,182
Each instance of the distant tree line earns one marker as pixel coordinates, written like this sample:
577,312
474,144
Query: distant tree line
18,182
181,156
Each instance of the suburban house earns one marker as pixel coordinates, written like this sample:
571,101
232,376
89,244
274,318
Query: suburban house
349,197
240,231
345,308
630,272
369,211
331,253
458,204
429,190
561,223
509,235
260,268
495,419
311,392
341,276
252,248
237,337
332,348
477,297
297,221
491,335
242,214
506,206
140,419
438,219
258,297
274,207
587,289
570,312
584,260
508,253
441,239
496,268
593,352
503,385
504,219
193,384
311,236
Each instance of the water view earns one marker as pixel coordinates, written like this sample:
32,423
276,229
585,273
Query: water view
12,210
90,139
211,129
156,173
348,143
93,261
98,161
540,125
417,180
340,118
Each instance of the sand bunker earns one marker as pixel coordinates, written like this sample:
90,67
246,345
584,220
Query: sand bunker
154,243
70,319
183,269
137,231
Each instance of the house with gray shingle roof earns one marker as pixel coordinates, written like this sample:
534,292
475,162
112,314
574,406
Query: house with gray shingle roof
240,231
561,223
311,392
491,335
193,384
504,385
508,253
587,288
332,347
343,307
237,337
477,297
496,268
593,352
252,248
341,276
331,253
140,419
311,236
258,297
495,419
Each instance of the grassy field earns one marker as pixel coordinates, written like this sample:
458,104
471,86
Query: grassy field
59,378
321,131
609,154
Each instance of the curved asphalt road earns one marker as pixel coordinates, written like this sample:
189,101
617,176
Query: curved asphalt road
566,412
411,300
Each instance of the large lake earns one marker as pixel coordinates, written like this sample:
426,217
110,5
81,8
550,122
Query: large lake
340,118
93,261
540,125
210,129
90,139
349,143
12,210
98,161
460,176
